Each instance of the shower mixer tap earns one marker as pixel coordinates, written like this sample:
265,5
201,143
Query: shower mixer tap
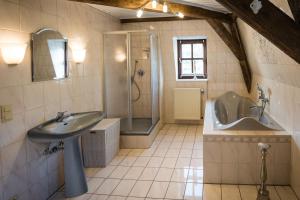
262,95
264,100
141,72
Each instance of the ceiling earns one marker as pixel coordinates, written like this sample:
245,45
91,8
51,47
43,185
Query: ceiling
209,4
122,13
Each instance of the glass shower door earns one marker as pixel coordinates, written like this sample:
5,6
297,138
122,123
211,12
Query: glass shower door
115,74
131,72
154,78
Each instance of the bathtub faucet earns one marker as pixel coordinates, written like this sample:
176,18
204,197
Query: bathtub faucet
264,100
262,95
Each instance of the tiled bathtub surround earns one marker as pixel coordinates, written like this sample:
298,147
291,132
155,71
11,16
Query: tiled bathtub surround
224,72
237,160
24,172
233,157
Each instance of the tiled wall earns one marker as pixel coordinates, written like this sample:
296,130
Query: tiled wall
279,75
23,170
140,51
237,159
223,68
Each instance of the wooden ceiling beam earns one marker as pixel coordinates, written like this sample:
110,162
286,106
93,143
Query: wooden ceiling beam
270,22
192,11
233,41
226,36
156,19
295,8
128,4
245,66
187,10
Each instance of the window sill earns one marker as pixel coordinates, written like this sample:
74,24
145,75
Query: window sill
192,80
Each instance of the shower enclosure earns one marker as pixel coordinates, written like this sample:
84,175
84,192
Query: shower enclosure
132,80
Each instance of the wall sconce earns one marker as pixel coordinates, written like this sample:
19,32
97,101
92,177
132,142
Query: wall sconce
180,15
13,54
79,55
139,13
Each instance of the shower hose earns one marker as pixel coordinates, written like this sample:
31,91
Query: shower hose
135,83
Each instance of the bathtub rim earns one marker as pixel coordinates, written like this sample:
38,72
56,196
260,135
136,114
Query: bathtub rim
208,128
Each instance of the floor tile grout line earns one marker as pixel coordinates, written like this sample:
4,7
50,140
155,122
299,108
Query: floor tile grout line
277,193
172,174
239,191
221,191
294,194
185,183
154,180
141,174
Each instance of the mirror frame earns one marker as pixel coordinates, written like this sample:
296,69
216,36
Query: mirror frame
32,53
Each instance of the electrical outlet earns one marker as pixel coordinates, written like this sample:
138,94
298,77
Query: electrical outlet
6,113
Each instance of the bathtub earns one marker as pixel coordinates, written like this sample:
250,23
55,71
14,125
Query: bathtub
231,111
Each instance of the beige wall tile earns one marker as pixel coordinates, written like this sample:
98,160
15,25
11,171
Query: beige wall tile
34,103
9,15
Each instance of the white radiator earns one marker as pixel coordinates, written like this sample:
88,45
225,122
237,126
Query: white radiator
187,103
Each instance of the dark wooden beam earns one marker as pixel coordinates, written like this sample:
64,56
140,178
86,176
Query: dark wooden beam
271,22
233,41
295,8
192,11
128,4
246,70
187,10
226,37
156,19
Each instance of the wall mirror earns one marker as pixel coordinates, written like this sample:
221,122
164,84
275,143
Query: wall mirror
49,55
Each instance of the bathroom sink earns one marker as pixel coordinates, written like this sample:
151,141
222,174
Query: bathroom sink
68,128
72,125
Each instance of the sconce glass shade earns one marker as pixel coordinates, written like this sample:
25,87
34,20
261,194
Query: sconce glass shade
180,15
139,13
79,55
165,7
154,3
13,54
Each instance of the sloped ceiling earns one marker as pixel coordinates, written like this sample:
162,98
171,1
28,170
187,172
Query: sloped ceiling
122,13
209,4
127,14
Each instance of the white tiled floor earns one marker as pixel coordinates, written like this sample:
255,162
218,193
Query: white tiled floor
171,169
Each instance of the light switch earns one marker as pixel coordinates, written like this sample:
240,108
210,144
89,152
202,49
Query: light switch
6,113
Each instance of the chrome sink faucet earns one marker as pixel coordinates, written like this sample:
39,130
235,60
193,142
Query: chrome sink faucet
61,116
264,100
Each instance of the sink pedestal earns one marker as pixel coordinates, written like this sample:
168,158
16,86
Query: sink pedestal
75,181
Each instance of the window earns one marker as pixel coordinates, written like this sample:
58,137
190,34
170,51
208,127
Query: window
192,60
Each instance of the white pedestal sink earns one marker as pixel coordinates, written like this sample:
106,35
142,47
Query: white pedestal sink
69,130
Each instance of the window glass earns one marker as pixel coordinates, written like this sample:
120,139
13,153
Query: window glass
199,67
186,50
186,67
198,51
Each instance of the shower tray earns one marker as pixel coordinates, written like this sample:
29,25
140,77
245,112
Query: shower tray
140,126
